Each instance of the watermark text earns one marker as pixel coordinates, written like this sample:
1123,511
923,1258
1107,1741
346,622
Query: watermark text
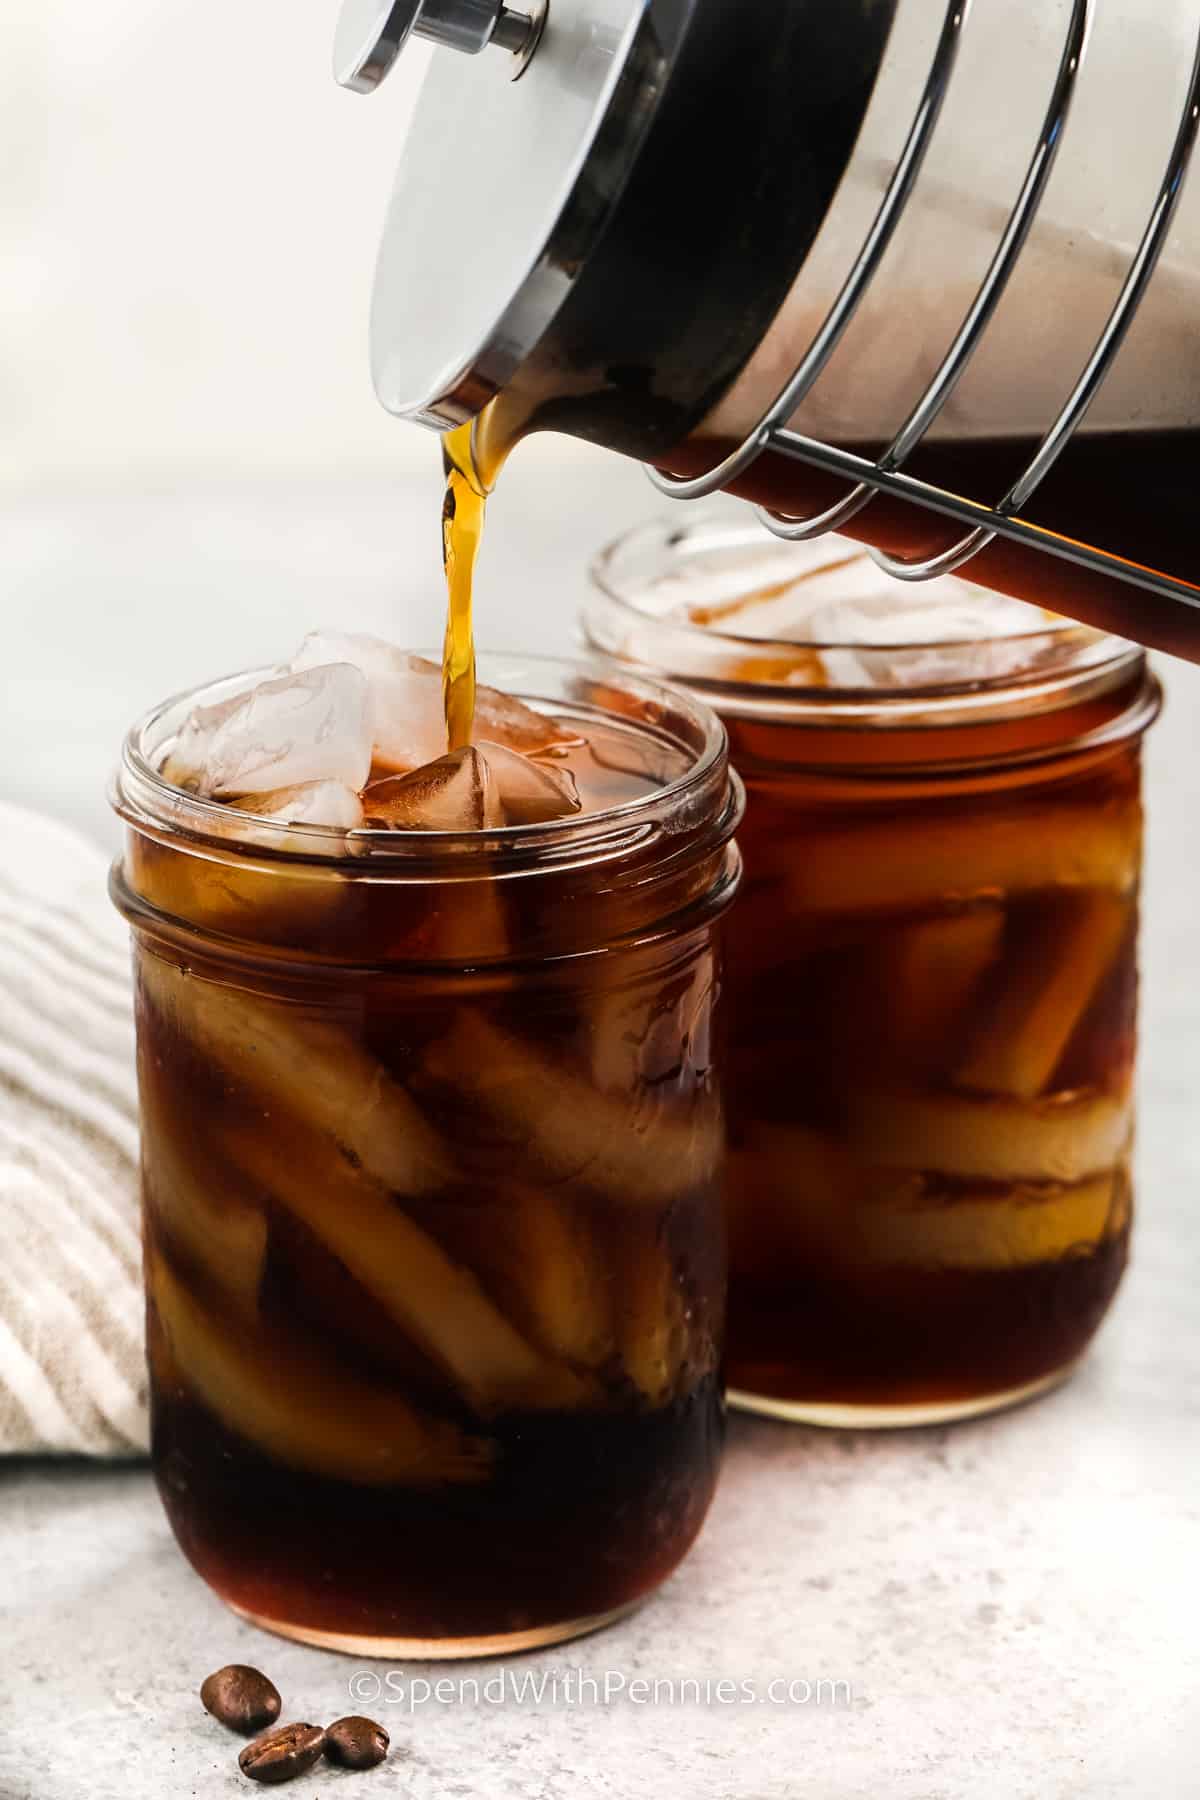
567,1688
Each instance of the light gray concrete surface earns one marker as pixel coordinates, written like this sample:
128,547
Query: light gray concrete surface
1012,1602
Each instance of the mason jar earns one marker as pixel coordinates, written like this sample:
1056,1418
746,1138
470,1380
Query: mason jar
432,1140
932,969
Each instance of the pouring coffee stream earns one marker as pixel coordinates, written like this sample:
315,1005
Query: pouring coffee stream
472,457
463,514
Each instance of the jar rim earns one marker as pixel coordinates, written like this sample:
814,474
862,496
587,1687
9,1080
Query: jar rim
620,621
144,798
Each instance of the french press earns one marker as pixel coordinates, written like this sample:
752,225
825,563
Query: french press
925,274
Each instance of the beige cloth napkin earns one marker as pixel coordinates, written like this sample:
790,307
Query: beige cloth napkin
72,1376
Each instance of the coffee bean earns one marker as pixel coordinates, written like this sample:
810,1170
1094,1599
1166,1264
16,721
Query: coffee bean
282,1754
241,1698
356,1743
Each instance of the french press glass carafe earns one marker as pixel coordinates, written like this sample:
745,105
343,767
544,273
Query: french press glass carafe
926,275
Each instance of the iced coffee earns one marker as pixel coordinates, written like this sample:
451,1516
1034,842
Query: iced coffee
432,1140
932,968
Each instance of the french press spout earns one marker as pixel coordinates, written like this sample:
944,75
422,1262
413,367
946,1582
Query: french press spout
926,272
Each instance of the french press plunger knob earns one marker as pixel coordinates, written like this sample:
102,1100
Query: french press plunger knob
372,33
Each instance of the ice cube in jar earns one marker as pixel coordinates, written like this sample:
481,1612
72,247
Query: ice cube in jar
351,732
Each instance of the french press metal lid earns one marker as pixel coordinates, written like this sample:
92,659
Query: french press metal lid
554,214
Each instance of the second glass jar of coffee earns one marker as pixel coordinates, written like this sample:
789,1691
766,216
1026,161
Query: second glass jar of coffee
932,974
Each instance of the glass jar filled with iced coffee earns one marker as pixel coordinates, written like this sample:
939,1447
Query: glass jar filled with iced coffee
431,1141
932,975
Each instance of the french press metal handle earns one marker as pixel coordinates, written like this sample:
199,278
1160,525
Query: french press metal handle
372,33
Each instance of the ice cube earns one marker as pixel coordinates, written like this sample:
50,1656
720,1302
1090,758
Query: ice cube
456,793
316,1068
407,717
199,1203
239,897
502,720
649,1036
766,593
537,1255
1045,988
408,722
883,864
921,1225
945,632
185,763
314,803
1061,1140
831,593
920,980
652,1314
337,1307
546,1119
437,1301
867,608
370,655
287,732
289,1401
530,793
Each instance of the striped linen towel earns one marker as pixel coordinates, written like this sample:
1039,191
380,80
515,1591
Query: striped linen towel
72,1375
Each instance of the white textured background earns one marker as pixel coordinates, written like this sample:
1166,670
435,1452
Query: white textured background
189,210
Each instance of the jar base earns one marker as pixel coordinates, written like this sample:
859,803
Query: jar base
437,1649
843,1415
